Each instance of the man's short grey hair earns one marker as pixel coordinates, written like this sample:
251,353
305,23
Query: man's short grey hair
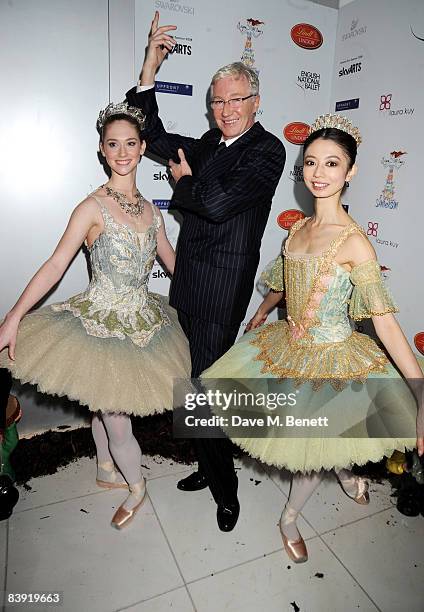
238,69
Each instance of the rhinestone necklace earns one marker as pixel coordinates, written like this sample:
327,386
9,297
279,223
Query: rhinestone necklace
135,209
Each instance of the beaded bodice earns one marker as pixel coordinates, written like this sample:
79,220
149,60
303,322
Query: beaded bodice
117,302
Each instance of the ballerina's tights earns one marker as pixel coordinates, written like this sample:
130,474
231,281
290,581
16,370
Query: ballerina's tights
115,441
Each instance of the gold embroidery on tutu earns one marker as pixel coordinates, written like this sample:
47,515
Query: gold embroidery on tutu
290,350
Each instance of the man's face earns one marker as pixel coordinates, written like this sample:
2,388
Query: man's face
234,121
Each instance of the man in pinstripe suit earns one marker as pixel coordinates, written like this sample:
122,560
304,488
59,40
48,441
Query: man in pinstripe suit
225,182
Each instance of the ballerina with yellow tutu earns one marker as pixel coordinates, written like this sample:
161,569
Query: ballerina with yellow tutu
116,347
329,273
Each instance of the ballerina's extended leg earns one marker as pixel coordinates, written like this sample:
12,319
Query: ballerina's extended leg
302,487
108,476
126,453
355,487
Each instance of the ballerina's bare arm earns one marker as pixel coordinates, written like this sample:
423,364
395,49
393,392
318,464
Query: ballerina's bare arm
357,250
85,217
268,304
164,249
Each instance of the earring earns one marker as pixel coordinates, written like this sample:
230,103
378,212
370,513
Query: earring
346,184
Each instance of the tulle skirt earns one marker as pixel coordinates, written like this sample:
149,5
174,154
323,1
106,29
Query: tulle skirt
55,353
360,413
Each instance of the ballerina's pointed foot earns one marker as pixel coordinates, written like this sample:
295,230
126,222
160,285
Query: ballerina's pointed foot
357,489
295,548
126,511
110,478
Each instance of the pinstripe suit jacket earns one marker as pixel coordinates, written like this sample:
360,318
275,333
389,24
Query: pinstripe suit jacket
226,204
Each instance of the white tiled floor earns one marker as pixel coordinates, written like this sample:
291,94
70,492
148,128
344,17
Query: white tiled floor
174,558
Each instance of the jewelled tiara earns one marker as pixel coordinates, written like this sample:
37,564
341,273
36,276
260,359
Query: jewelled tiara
336,121
121,108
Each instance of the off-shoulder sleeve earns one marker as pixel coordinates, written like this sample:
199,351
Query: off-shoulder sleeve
273,275
370,297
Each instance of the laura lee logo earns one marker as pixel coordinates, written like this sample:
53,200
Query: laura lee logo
386,198
419,342
287,218
354,30
251,29
174,6
296,175
386,105
306,36
343,105
373,232
174,88
296,132
308,81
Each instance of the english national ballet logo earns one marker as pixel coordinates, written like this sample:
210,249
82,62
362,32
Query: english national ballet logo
306,36
296,132
287,218
419,342
386,198
251,29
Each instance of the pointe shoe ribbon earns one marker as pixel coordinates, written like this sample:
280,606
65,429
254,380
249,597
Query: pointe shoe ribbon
110,477
122,516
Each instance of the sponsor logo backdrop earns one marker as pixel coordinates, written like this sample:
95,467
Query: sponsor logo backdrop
290,44
379,64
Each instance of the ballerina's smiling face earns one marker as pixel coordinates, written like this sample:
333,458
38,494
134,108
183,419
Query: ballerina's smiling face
326,168
121,146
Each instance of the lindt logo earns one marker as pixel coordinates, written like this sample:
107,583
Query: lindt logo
296,132
306,36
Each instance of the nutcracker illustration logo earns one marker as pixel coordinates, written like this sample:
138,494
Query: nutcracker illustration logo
387,196
251,30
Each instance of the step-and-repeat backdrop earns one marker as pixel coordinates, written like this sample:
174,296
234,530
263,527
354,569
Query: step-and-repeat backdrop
291,46
378,83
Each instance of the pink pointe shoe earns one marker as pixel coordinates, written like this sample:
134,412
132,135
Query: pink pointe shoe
362,495
295,549
122,516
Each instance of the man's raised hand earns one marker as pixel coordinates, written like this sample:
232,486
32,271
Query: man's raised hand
159,45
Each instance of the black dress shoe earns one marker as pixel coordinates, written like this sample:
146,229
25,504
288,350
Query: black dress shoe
195,482
227,516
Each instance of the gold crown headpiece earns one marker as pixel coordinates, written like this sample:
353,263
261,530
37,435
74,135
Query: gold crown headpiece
336,121
121,108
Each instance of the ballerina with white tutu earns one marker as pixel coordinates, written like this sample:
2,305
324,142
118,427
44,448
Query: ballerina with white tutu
116,347
329,272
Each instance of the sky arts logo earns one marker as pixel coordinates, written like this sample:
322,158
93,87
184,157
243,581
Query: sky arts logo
386,107
308,81
386,198
173,6
183,46
373,232
252,28
159,274
162,204
161,175
347,104
351,66
354,30
174,88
